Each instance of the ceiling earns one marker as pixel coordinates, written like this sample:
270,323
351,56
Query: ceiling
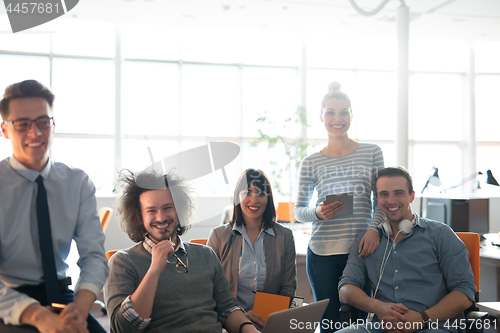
464,19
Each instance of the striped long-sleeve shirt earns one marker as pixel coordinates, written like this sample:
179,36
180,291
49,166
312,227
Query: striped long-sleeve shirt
329,175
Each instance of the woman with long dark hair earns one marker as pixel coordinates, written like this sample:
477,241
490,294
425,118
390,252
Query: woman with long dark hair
256,253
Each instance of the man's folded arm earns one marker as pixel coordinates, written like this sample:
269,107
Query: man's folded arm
355,296
449,307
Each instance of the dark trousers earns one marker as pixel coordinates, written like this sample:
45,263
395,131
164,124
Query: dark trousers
324,273
38,292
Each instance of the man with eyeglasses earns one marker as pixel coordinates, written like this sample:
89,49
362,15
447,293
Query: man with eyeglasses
44,205
163,284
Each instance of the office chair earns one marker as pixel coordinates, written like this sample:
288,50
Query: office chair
471,241
109,254
283,212
202,241
105,215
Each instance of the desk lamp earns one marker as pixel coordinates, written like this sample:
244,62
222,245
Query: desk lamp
463,181
433,180
490,179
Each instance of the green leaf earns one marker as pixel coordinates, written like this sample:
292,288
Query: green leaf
295,149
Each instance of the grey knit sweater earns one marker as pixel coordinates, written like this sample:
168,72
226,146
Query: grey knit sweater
184,302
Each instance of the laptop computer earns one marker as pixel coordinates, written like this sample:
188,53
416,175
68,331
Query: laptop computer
302,319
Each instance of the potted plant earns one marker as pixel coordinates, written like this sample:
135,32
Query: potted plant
295,151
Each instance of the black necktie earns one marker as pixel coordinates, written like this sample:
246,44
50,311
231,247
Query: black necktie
52,288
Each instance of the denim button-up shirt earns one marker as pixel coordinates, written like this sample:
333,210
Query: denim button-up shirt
252,267
422,268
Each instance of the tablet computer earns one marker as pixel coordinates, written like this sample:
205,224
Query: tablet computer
347,199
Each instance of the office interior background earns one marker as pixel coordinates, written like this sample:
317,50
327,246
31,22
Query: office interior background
173,75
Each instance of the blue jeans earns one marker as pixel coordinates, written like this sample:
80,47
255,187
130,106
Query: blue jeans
324,273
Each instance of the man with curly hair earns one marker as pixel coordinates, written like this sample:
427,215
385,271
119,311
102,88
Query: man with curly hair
163,284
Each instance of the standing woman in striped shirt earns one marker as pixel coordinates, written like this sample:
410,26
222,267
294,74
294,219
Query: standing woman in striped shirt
344,165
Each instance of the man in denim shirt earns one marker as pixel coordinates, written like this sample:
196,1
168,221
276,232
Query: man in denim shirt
420,274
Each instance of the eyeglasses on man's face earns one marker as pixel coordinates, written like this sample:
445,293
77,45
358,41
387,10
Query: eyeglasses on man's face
23,125
180,266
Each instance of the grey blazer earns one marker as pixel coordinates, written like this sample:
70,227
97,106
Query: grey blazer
280,257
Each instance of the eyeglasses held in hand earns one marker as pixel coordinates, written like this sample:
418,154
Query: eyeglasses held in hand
180,266
23,125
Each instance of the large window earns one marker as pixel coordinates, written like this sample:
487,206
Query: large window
269,91
437,111
210,101
150,99
87,104
179,88
487,109
77,62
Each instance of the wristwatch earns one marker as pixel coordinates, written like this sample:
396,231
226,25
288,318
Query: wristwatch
426,321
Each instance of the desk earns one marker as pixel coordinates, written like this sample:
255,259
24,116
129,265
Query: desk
493,307
490,269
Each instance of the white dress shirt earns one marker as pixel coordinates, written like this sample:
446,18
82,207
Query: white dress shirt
73,215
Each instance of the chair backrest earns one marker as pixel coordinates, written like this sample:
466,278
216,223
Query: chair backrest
202,241
109,254
283,212
471,241
105,216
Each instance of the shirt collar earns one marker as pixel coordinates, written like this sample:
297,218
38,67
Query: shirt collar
148,245
28,173
419,221
242,230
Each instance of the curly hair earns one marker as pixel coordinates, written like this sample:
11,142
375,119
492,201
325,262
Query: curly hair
258,179
128,205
